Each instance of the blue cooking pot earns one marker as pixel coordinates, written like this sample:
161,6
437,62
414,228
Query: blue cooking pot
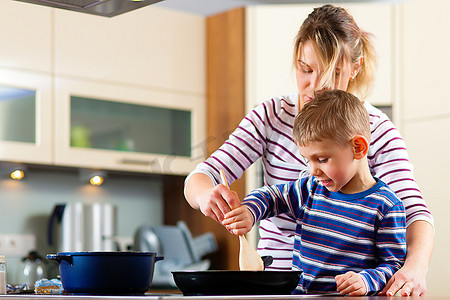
106,273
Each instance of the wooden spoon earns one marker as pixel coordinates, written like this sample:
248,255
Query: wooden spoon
249,259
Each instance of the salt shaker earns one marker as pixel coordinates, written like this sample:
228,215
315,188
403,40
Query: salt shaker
2,275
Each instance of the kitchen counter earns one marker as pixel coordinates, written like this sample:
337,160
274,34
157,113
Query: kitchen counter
151,296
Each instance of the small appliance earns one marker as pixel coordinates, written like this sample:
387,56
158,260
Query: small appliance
180,249
81,226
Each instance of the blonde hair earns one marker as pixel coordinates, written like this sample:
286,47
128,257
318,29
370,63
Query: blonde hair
335,35
331,114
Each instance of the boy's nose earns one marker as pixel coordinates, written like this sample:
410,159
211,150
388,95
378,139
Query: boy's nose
315,171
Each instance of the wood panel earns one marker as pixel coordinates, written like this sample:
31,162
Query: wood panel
226,97
225,109
176,208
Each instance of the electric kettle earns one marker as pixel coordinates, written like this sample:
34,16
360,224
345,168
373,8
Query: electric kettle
83,227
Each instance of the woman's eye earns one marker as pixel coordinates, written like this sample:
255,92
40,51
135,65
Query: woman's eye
306,70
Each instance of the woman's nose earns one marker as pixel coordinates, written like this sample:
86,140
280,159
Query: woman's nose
314,82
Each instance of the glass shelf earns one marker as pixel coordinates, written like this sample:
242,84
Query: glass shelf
110,125
17,115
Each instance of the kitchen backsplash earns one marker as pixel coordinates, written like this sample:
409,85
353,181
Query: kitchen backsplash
26,205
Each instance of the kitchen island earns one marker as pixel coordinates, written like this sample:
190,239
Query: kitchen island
151,296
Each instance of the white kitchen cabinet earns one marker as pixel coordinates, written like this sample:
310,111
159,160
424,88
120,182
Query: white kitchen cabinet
26,36
148,61
270,34
151,46
425,115
427,144
106,126
25,117
424,63
377,19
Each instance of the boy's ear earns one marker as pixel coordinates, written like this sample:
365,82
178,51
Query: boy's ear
360,146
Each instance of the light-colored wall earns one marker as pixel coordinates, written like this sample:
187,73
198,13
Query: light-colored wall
412,47
425,115
25,206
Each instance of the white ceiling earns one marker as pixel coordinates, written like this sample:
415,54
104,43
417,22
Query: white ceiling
211,7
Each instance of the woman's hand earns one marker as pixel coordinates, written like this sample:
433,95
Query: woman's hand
350,284
220,201
212,201
408,280
239,221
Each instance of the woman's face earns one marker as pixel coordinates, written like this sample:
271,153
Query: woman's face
309,70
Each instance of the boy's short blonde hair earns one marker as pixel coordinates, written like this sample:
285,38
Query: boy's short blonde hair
331,114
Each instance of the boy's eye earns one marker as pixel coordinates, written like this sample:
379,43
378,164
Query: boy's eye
322,160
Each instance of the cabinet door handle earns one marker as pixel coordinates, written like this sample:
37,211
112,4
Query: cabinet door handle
136,162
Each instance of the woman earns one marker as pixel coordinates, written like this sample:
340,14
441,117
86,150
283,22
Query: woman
330,52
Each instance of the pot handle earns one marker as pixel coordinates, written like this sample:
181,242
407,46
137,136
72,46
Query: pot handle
57,215
158,258
60,257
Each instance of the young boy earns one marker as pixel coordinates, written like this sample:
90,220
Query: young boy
350,234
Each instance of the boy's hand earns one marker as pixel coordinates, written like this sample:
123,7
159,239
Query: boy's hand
350,283
239,221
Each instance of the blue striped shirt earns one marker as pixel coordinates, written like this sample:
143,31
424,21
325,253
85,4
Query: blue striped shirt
336,232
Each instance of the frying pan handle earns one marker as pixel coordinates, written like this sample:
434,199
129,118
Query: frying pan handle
267,260
60,257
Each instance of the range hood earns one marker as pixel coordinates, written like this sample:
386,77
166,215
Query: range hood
106,8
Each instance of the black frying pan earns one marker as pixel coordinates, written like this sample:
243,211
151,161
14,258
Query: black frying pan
223,282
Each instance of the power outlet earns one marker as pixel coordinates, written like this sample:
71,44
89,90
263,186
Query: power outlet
17,245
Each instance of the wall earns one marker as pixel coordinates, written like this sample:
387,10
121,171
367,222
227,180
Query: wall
26,205
425,114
